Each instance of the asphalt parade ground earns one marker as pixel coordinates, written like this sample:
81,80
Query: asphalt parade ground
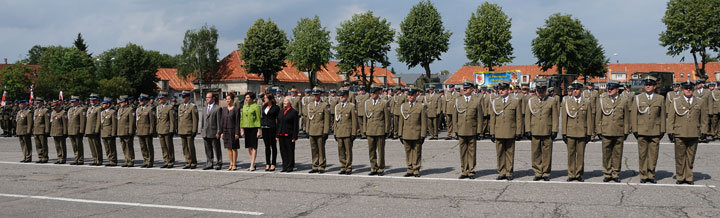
43,190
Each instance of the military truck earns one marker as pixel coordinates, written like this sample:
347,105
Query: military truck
558,82
664,81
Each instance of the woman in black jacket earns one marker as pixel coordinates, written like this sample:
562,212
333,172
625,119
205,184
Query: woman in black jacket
287,128
268,120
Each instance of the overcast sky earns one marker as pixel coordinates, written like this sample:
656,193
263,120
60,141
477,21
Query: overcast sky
628,28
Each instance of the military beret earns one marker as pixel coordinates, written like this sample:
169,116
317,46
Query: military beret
185,94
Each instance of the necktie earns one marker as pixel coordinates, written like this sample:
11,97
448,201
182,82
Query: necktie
208,109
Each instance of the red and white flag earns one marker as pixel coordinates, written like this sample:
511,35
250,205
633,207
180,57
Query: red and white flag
3,98
32,96
62,100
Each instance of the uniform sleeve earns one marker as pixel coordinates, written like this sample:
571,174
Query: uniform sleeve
98,120
663,115
626,110
326,120
153,120
30,122
519,119
563,118
194,119
423,123
554,117
133,121
65,124
402,121
527,121
83,120
590,118
47,122
480,117
633,117
114,124
173,120
386,113
353,121
704,118
598,117
493,117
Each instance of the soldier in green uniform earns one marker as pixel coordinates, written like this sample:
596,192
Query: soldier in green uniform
108,131
41,129
648,125
318,129
714,109
398,99
612,121
24,121
577,128
58,130
165,126
76,128
92,129
126,130
376,119
687,124
145,122
5,119
432,103
359,100
541,126
468,116
187,129
305,100
345,126
413,124
332,100
505,127
13,118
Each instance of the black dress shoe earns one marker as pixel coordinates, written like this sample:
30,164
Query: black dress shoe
653,181
207,167
341,172
110,165
218,167
570,179
73,163
407,175
580,179
642,180
164,166
606,179
380,174
547,178
372,173
690,182
193,167
186,167
170,166
616,180
537,178
313,171
509,178
283,170
500,178
678,182
463,177
471,177
289,170
417,175
348,172
57,162
78,164
143,166
321,171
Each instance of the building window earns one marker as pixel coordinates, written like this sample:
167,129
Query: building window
525,79
619,76
682,75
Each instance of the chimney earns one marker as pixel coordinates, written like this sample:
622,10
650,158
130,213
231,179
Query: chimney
5,60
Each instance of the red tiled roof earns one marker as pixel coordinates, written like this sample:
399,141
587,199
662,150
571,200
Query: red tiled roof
466,72
174,81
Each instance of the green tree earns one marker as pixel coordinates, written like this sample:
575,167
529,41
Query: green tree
163,60
133,63
692,26
114,87
67,69
309,50
15,79
363,40
264,50
423,38
594,62
487,37
199,58
80,44
34,54
561,42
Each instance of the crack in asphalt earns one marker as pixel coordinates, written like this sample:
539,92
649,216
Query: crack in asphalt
501,192
623,195
558,211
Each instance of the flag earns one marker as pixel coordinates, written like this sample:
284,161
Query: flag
62,100
3,98
31,95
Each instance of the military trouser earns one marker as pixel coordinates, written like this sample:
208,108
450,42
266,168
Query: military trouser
505,156
432,127
468,146
485,128
168,149
128,147
332,124
317,150
576,156
376,146
715,125
26,146
61,148
450,126
345,153
110,149
396,124
95,148
78,148
541,155
361,126
41,145
612,150
413,156
685,149
188,145
147,149
648,147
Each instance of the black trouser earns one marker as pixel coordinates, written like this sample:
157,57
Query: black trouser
268,135
287,152
212,146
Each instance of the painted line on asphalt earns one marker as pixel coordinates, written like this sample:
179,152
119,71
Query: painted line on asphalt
132,204
305,174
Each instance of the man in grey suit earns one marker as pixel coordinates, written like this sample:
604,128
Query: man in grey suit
211,132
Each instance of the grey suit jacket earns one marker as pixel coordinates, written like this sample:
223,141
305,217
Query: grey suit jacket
211,121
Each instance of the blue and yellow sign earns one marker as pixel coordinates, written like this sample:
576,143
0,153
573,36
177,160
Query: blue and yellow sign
490,78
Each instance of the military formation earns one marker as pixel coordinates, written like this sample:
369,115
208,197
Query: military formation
504,114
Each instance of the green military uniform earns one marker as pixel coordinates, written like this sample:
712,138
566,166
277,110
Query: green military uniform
41,130
648,125
92,130
359,102
318,127
468,116
577,128
714,110
612,120
376,118
304,101
332,101
108,132
345,127
541,125
126,132
145,122
23,128
187,129
165,126
413,124
76,129
432,103
13,119
397,100
5,111
448,103
687,123
505,126
58,130
521,98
